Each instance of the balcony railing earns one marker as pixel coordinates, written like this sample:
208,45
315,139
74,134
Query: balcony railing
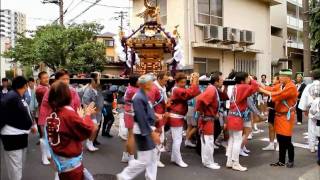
295,22
296,2
297,45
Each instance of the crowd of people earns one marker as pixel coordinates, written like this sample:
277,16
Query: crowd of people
156,113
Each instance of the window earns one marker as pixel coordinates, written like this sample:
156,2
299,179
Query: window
246,65
210,12
275,31
205,65
109,43
163,9
110,59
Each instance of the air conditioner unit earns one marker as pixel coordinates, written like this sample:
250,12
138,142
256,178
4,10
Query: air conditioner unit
213,34
247,37
231,35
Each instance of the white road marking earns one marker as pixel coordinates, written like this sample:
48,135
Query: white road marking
300,145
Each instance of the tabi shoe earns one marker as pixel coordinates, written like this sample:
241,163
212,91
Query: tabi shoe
215,146
318,162
163,149
160,164
244,154
188,143
229,163
299,123
246,150
277,164
119,177
125,157
238,167
181,164
313,149
270,147
56,176
90,146
213,166
290,165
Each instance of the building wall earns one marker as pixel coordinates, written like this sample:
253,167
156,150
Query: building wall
110,51
241,14
12,23
287,16
253,16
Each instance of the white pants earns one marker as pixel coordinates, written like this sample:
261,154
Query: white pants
14,163
176,144
45,152
161,141
207,150
234,145
147,160
312,134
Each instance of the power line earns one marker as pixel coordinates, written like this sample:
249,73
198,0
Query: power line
40,19
81,1
70,4
108,5
95,3
67,9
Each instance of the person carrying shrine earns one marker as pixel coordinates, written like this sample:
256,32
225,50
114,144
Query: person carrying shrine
145,134
178,108
239,113
129,118
158,98
207,110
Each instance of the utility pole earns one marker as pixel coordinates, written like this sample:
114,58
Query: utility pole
121,16
60,4
61,11
306,38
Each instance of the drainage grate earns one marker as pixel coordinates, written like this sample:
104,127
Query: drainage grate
104,177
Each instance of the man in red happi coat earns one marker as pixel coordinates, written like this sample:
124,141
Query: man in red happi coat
128,155
207,109
238,114
41,90
178,110
158,98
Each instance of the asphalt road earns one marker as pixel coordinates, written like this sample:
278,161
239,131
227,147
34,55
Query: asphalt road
107,161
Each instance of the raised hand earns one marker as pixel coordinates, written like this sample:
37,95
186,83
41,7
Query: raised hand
90,109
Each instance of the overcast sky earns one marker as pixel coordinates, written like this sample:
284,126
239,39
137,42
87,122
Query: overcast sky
38,13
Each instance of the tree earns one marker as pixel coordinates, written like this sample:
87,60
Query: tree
56,46
315,28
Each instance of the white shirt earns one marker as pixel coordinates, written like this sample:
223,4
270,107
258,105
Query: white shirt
306,98
204,78
4,91
9,130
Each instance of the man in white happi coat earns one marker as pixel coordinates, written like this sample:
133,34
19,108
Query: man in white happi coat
305,103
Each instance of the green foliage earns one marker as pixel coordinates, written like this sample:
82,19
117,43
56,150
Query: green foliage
27,71
315,28
56,46
10,74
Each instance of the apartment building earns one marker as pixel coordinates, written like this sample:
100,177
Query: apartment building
11,24
113,66
287,35
219,34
